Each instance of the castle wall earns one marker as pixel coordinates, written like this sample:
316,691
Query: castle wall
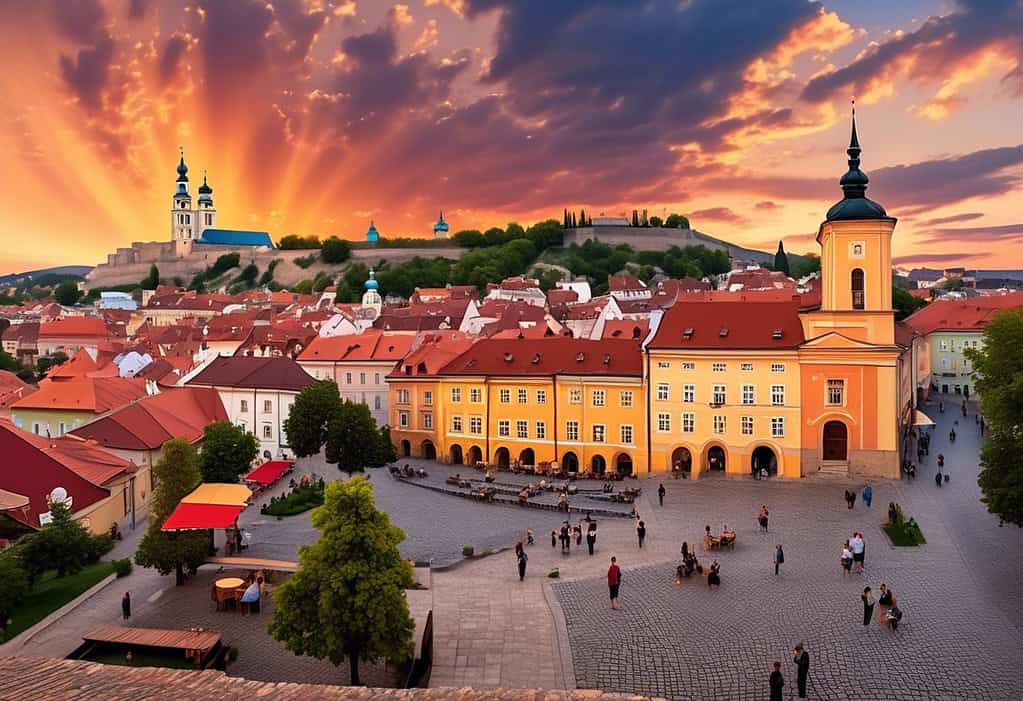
659,239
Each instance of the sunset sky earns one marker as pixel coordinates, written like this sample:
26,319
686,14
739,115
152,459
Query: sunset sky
316,116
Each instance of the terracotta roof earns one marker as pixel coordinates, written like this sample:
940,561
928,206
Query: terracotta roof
160,371
920,293
12,388
730,325
903,334
517,283
502,308
621,283
95,394
253,373
46,679
74,326
558,296
189,301
181,412
435,350
557,355
372,345
25,333
626,328
82,365
962,315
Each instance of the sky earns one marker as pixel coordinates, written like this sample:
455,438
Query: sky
314,117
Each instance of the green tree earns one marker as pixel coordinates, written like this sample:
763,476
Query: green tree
998,370
63,545
514,231
310,415
574,224
582,218
565,222
676,221
304,287
13,588
953,283
352,438
904,303
176,474
67,293
656,221
222,264
8,363
811,264
151,281
781,261
469,238
248,274
494,236
385,450
635,217
228,451
292,242
347,599
335,250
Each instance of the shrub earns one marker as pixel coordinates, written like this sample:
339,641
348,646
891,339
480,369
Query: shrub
304,287
488,551
122,568
335,250
292,242
467,551
14,585
305,261
298,500
223,264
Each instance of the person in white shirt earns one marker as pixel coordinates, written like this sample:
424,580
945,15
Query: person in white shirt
847,559
857,546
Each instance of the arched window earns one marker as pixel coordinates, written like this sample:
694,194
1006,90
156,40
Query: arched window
857,288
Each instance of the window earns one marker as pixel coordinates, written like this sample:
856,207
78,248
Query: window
456,424
522,428
348,378
626,434
504,427
718,367
575,396
403,419
749,394
689,393
541,430
747,425
376,402
689,366
718,395
376,378
504,396
522,396
836,392
571,430
625,399
402,396
428,420
456,394
944,345
244,407
746,367
778,395
777,367
688,422
662,391
362,378
475,395
778,426
268,406
599,397
857,289
541,396
598,433
944,363
719,423
60,429
664,422
268,431
476,424
428,398
663,365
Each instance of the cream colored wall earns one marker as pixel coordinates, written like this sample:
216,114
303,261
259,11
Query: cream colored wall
254,418
49,420
838,261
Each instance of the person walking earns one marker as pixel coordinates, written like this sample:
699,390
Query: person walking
937,477
868,495
868,605
858,547
126,606
779,557
523,558
660,493
614,581
641,532
777,682
554,539
591,537
847,559
802,660
886,601
762,518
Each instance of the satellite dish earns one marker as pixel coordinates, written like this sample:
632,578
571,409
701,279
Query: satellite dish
59,494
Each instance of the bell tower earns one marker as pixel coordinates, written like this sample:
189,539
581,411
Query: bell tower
183,219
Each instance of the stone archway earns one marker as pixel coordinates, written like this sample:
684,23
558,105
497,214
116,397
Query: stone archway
527,457
501,457
429,450
835,441
456,454
764,458
717,458
570,462
682,460
598,465
475,455
406,449
623,465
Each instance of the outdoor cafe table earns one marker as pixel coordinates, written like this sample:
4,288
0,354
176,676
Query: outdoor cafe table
227,588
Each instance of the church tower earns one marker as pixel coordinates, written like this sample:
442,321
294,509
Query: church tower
206,212
183,219
371,298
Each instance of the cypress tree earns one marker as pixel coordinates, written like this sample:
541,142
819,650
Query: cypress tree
582,217
573,220
781,261
635,218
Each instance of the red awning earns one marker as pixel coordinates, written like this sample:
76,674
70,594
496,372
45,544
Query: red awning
268,472
197,517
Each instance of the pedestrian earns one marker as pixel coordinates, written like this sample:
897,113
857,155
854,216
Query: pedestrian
126,606
886,601
579,535
779,557
894,616
641,532
952,436
982,425
554,539
714,575
964,408
802,660
868,495
522,562
937,478
858,547
591,537
777,682
529,537
660,493
941,407
847,559
763,518
868,605
614,580
941,461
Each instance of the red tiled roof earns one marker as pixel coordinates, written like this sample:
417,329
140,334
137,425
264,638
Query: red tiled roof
558,296
920,293
253,373
436,349
12,388
621,283
74,326
903,334
371,345
25,332
626,328
730,325
557,355
95,394
962,315
181,412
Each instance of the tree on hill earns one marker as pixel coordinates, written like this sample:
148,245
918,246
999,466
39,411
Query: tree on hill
953,283
676,221
228,451
573,220
635,217
151,281
347,599
810,264
781,261
352,438
293,242
583,221
998,369
335,250
565,222
469,238
309,417
67,293
176,474
656,221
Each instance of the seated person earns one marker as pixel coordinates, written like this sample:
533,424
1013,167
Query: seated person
420,472
250,599
710,540
714,575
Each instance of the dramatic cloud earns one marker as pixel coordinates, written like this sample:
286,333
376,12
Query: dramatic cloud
918,258
717,214
954,219
978,234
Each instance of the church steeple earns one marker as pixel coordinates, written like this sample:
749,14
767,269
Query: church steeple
182,168
854,204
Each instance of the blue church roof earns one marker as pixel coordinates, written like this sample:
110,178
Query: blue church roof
372,234
232,237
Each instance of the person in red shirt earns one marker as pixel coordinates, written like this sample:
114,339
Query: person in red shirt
614,580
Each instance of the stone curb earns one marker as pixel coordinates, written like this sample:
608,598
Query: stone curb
26,635
562,646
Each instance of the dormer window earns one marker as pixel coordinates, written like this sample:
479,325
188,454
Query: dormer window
580,357
508,357
723,332
688,333
776,334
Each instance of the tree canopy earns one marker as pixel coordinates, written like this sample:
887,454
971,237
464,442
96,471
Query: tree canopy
309,417
335,250
228,451
67,293
998,369
152,280
293,242
13,588
904,303
347,599
63,545
176,474
676,221
353,440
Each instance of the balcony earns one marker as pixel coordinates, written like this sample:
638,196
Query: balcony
857,299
